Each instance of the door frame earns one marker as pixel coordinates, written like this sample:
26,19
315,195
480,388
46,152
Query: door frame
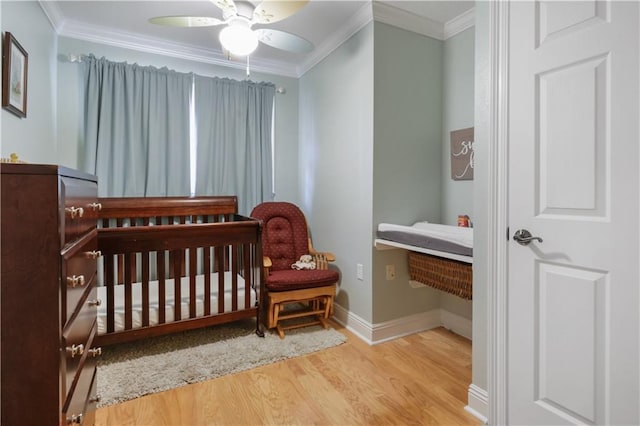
498,209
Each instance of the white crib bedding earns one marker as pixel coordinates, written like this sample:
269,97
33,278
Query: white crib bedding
447,241
169,300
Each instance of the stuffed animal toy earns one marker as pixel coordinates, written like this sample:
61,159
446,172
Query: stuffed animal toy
305,262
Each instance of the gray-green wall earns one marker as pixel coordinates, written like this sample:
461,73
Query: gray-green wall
397,161
407,166
33,138
457,113
457,107
335,160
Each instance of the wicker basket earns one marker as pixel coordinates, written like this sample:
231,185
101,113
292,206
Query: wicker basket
447,275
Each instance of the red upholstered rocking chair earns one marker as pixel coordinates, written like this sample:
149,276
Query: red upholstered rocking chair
285,239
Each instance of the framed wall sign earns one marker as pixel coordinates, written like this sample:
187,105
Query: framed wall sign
462,154
15,62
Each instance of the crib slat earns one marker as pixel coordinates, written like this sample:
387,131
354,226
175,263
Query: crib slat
219,264
246,251
145,288
234,278
177,306
133,276
206,263
171,266
192,281
160,265
177,267
109,282
128,299
120,268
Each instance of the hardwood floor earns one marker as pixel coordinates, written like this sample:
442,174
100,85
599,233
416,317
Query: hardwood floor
418,379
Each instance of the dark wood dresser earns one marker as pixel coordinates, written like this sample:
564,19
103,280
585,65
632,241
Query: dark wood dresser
48,217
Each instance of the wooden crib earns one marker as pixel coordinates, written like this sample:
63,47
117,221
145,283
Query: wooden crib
171,264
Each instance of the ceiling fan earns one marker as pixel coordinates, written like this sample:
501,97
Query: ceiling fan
237,37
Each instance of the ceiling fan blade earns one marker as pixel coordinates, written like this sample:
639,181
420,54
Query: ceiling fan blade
186,21
276,10
228,7
283,40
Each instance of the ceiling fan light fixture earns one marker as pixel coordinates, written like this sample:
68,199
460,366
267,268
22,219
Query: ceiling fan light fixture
238,37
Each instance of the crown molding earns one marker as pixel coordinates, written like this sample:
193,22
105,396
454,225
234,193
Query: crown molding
390,15
371,10
103,35
383,12
460,23
362,17
52,12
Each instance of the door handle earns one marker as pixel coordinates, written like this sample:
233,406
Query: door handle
524,237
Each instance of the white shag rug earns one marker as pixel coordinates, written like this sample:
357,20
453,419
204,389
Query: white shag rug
135,369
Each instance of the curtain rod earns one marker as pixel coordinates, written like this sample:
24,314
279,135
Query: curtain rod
72,57
75,57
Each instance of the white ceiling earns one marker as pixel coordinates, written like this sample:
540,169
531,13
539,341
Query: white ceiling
325,23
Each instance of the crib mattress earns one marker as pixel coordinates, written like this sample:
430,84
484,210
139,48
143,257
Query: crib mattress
169,300
431,238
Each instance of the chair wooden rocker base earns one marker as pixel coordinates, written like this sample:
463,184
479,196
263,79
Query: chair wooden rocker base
318,303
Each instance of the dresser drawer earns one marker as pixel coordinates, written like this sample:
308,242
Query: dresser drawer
80,203
79,409
79,265
89,416
77,339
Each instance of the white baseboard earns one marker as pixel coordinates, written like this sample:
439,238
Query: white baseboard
389,330
478,403
353,323
456,323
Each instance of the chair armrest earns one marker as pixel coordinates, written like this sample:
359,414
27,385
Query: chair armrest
329,257
266,262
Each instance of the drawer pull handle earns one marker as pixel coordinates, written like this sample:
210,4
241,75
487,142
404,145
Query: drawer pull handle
74,350
75,281
96,207
96,302
75,419
94,352
94,254
75,212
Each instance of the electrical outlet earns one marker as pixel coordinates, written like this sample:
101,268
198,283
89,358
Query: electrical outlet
360,271
391,272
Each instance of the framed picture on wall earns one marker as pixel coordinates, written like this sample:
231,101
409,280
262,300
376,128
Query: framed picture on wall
462,154
15,62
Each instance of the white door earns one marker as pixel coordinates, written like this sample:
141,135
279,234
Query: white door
573,299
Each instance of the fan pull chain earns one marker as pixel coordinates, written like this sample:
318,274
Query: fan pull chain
248,70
